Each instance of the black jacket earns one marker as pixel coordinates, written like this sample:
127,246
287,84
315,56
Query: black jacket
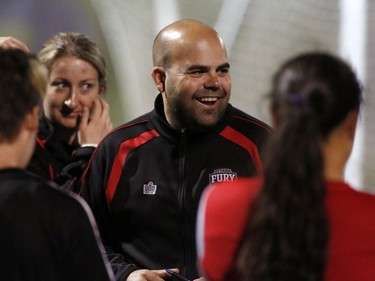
57,161
46,234
145,180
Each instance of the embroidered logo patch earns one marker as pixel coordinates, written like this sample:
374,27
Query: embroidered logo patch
222,175
149,188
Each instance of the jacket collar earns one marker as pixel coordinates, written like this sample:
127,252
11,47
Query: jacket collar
45,128
159,120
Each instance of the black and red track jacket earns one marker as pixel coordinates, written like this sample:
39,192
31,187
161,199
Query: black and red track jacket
47,234
57,161
145,180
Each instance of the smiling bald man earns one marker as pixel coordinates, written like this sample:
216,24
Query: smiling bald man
146,178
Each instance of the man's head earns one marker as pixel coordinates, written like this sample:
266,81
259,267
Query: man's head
191,70
22,85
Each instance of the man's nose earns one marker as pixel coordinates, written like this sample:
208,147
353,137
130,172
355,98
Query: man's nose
213,81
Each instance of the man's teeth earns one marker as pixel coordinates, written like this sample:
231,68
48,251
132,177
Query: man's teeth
208,99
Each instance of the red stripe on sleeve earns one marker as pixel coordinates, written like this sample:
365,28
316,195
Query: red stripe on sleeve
121,156
51,172
246,143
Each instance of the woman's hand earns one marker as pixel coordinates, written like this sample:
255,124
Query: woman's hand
93,128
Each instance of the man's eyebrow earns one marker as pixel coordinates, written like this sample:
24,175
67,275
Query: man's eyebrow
197,66
224,65
203,67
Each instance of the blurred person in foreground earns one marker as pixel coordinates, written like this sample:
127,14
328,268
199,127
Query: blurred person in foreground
145,179
301,221
38,241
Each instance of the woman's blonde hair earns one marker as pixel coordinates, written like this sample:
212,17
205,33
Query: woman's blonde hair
38,75
77,45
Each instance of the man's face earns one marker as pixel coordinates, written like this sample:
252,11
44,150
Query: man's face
197,84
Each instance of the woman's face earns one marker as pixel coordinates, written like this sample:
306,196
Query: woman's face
73,84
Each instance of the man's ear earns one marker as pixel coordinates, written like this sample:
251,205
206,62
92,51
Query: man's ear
32,119
158,75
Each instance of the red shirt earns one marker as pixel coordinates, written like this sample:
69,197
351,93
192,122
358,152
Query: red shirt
222,218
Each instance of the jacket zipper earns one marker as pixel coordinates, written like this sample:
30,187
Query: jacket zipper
183,199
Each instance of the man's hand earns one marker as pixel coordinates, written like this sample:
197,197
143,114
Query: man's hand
93,128
149,275
154,275
13,43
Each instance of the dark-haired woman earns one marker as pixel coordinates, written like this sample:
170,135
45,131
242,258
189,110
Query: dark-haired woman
301,221
38,240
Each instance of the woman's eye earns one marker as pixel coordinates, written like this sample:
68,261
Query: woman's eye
87,86
59,85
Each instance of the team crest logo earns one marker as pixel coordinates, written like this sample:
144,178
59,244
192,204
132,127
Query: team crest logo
149,188
222,175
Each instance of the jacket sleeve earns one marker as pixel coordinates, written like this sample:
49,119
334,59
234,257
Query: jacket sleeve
93,190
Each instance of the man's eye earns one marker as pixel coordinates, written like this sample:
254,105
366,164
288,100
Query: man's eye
197,73
223,72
